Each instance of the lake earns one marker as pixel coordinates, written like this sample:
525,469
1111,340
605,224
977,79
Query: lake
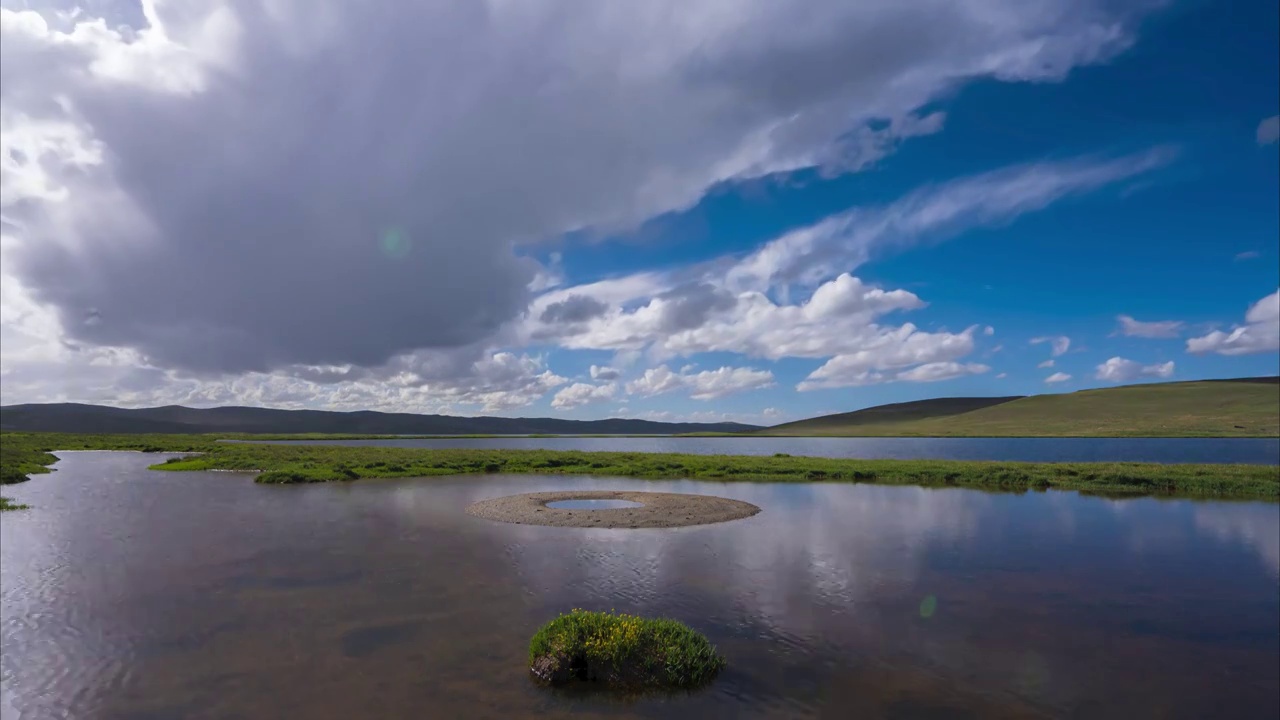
127,593
1252,451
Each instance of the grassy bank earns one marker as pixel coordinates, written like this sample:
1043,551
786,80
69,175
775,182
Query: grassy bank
1183,409
302,464
622,650
25,453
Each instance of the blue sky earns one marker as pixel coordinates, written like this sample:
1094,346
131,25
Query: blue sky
998,194
1194,241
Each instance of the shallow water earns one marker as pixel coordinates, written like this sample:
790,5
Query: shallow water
134,594
593,504
1252,451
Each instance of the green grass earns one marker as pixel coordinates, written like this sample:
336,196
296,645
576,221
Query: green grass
623,650
322,463
9,504
1186,409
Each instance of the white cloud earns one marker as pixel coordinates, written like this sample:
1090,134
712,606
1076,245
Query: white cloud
1058,344
1248,255
988,331
705,385
1057,378
1154,329
935,371
1002,376
604,372
1269,130
579,394
1046,364
888,360
422,382
1118,369
1260,333
935,213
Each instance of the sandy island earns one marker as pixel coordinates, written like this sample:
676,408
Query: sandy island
660,510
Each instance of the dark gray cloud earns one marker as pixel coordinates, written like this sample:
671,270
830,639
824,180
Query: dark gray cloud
689,306
573,309
284,184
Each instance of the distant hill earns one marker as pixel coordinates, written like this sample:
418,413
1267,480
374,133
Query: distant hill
1239,407
77,418
895,413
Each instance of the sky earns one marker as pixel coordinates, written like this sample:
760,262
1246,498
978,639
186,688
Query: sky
700,211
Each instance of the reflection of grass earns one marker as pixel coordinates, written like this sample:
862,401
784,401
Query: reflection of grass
623,650
27,452
9,504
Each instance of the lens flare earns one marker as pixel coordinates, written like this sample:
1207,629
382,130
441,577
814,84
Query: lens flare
394,243
928,606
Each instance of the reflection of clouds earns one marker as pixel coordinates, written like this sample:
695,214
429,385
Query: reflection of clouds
840,542
1257,526
1156,524
830,542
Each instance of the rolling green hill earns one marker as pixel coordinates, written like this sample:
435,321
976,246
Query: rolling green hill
1246,407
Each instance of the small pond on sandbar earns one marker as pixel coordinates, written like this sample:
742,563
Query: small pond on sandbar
127,593
590,504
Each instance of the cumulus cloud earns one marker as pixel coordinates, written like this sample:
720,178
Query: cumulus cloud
1118,369
890,358
579,394
1057,377
418,383
1058,344
1259,333
1269,130
705,385
1046,364
1154,329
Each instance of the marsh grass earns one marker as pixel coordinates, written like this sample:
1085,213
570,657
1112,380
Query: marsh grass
22,454
311,463
622,650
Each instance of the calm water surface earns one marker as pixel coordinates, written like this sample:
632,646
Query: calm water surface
135,594
592,504
1253,451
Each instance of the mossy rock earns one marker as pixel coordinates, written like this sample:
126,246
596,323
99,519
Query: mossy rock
622,651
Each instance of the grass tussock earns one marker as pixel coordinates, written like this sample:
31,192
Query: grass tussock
9,504
622,650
